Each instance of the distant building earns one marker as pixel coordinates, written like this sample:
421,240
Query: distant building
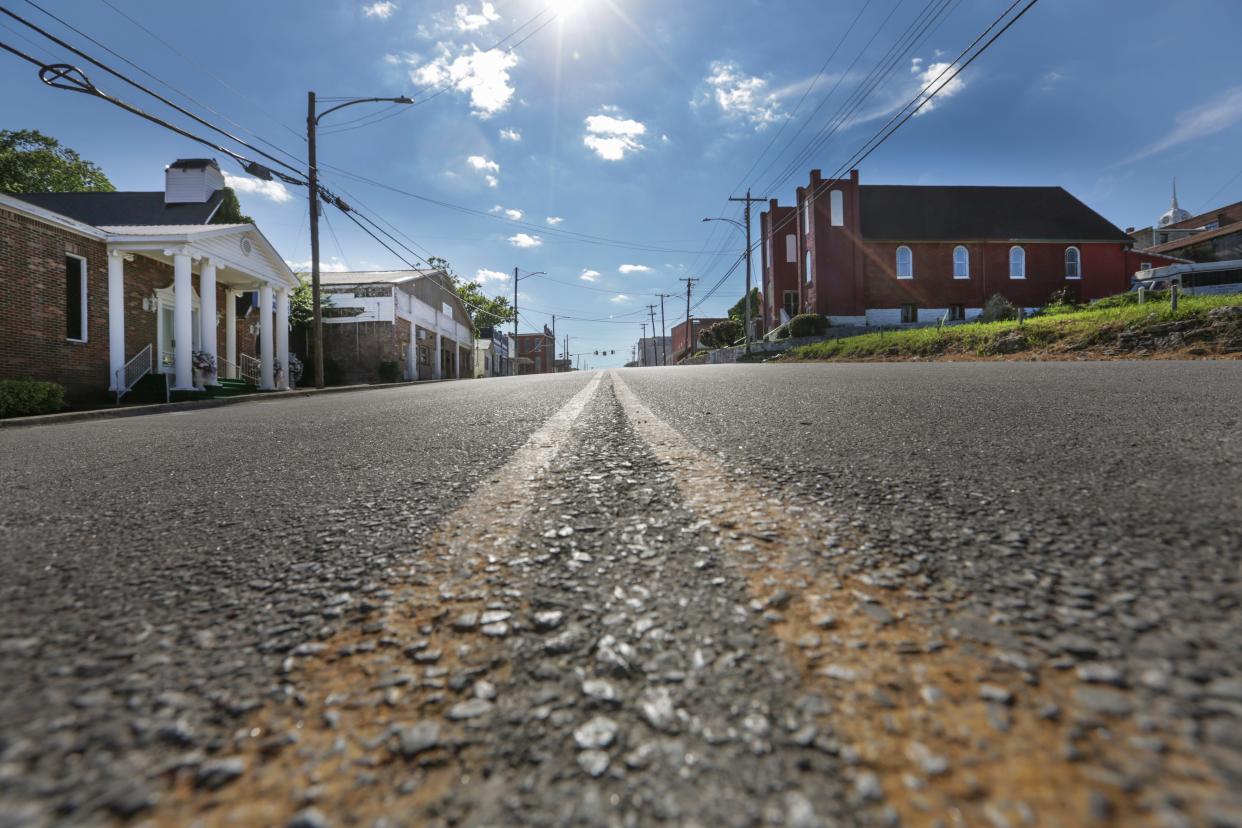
1214,236
685,337
491,353
654,350
412,319
535,352
889,255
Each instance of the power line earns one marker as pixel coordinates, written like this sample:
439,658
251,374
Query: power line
121,76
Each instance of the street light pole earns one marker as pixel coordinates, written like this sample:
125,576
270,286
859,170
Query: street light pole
516,279
312,177
745,230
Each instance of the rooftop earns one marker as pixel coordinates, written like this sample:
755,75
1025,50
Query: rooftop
123,209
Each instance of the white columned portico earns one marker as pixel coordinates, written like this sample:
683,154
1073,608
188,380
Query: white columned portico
116,317
207,312
267,351
438,361
183,321
230,331
282,337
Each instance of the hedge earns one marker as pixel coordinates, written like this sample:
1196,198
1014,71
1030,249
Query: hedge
24,397
808,324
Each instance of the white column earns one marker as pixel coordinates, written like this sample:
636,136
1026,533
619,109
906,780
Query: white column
183,322
438,360
207,311
456,360
267,350
230,331
116,316
411,355
282,336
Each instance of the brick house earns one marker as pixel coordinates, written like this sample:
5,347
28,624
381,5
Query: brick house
882,254
535,353
491,353
102,288
413,318
683,345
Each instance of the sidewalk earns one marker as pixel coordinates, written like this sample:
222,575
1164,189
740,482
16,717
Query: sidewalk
190,405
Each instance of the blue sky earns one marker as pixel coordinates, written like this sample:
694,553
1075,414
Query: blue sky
630,120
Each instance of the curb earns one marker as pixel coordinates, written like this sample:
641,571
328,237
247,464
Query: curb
192,405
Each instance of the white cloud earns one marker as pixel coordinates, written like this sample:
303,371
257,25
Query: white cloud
629,268
1197,122
272,190
553,221
589,276
930,79
488,167
525,240
740,96
467,22
483,276
619,298
382,10
483,75
507,212
333,265
611,138
510,135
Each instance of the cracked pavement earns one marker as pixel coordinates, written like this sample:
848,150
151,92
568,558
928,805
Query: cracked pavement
997,594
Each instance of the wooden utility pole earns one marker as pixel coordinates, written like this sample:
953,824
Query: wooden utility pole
651,308
689,328
642,353
554,343
746,301
515,323
663,333
312,175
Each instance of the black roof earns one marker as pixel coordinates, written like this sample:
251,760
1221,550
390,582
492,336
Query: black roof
119,209
916,213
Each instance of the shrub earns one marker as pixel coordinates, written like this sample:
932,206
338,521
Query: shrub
389,371
782,332
808,324
722,334
25,397
998,309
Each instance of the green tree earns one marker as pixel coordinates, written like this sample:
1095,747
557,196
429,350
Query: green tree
485,311
31,162
738,311
230,210
302,303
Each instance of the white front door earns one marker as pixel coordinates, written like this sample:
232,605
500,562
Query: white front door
167,343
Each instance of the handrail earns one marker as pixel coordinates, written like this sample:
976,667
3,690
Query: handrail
135,369
251,369
226,368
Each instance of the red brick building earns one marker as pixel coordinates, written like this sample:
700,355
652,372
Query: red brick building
539,349
882,254
683,346
101,288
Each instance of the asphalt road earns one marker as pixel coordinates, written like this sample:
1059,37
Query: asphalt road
782,595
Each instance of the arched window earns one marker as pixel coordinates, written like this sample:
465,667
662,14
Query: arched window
961,263
1073,263
905,263
1017,263
836,207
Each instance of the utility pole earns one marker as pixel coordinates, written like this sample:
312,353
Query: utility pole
312,177
689,328
642,352
568,358
554,343
651,308
663,334
748,200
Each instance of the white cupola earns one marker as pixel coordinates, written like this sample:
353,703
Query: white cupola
1175,213
192,181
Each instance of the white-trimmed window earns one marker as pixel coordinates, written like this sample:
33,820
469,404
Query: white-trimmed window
806,216
791,249
791,303
836,208
961,262
767,251
1017,263
809,272
905,263
1073,263
75,298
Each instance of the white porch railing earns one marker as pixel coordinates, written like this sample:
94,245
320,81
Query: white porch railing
128,375
251,369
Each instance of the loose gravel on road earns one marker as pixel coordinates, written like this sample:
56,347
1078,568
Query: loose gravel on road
634,619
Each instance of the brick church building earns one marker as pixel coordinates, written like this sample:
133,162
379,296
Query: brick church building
882,254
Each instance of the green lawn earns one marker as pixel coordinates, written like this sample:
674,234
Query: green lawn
1081,327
